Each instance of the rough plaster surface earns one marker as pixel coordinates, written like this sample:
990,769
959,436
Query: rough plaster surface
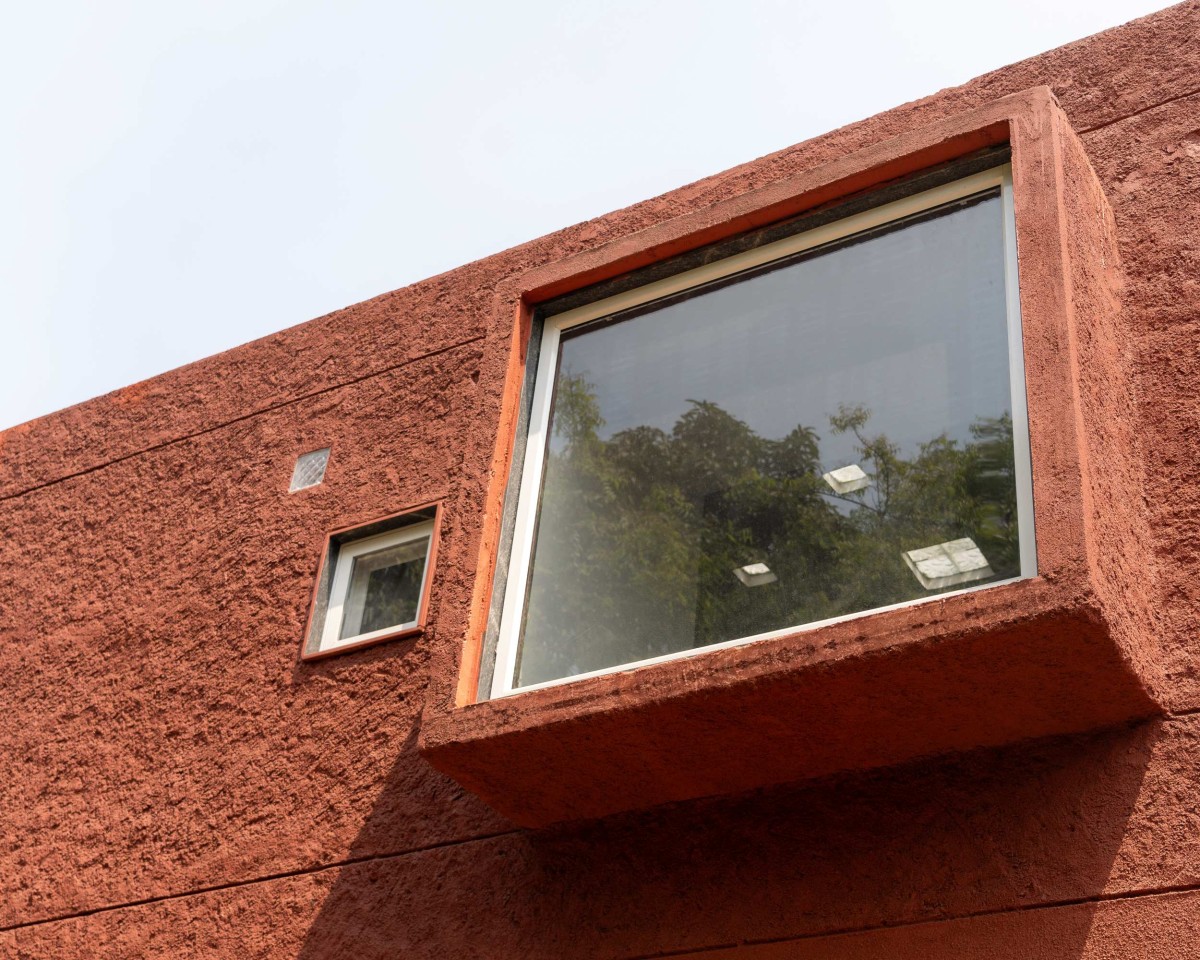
1151,166
1048,823
153,694
161,742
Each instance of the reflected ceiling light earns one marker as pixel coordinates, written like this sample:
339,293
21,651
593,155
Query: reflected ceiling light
948,564
755,575
847,479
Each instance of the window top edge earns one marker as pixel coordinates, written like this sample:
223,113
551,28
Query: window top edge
836,230
853,202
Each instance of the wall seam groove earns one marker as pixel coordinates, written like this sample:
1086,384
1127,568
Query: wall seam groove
1139,112
270,408
1139,894
346,383
268,878
902,925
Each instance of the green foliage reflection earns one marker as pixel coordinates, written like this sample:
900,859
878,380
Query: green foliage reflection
639,533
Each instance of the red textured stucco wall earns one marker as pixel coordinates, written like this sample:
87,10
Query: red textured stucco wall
177,784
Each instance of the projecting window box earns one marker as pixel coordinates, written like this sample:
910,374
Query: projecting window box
808,481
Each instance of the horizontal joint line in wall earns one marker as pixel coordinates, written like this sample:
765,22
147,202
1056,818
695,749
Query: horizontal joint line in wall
248,416
251,881
1139,112
906,924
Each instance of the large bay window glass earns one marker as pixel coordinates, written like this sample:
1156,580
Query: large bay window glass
809,430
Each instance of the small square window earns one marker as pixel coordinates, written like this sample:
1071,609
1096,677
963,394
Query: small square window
373,584
820,427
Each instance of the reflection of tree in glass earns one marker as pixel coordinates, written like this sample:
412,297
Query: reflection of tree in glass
945,492
639,534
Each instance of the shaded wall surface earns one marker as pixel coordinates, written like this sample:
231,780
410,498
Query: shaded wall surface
177,784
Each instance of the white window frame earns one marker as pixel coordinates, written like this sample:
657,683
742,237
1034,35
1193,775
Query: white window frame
529,496
339,590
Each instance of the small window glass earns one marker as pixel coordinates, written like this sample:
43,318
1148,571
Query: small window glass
373,586
830,425
384,589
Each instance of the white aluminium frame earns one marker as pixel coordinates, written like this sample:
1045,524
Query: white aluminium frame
529,495
339,590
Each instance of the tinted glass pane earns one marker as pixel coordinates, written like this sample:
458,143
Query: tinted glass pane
385,588
819,439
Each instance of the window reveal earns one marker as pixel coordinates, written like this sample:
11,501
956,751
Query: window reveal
373,583
830,431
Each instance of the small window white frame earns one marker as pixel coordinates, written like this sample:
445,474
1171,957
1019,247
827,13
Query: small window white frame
339,590
529,495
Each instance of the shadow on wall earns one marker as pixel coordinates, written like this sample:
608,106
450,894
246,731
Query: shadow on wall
995,830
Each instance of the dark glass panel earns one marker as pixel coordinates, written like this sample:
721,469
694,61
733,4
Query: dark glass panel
385,588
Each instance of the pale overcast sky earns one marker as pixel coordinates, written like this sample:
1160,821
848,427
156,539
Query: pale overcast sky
180,177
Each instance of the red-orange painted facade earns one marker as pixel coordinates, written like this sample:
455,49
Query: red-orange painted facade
180,783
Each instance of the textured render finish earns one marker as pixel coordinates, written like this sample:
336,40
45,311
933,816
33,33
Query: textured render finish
1151,166
1052,823
1067,651
151,658
163,744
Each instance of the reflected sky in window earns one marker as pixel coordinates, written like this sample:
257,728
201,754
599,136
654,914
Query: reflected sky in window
910,324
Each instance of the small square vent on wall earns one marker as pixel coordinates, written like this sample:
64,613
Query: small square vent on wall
309,470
